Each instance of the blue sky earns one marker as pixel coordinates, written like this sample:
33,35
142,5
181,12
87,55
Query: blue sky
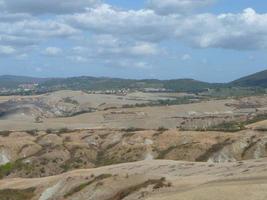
209,40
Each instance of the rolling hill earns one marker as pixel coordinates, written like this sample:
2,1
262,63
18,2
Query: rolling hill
92,83
104,83
9,81
258,79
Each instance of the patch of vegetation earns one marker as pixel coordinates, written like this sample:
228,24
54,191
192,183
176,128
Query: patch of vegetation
32,132
102,160
261,129
257,118
12,194
178,101
235,126
226,127
88,110
8,168
169,102
158,183
165,152
49,131
70,101
132,129
250,146
5,133
162,129
120,155
59,131
225,92
86,184
255,80
64,130
213,149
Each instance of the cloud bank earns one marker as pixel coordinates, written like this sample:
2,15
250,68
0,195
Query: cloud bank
95,30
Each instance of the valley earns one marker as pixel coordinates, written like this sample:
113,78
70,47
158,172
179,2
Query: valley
71,144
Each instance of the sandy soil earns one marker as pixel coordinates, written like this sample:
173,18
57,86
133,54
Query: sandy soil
146,117
182,180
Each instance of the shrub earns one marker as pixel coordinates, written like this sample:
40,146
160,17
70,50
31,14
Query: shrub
32,132
162,128
49,131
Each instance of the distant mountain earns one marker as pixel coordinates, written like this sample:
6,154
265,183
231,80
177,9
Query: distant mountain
92,83
255,80
103,83
8,81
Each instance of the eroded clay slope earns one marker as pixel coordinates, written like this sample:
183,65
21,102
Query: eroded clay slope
39,154
153,180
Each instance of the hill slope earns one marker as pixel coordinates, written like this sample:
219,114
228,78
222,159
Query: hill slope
103,83
8,81
255,80
92,83
150,180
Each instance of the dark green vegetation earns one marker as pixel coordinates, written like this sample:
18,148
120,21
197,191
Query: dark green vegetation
165,152
10,194
156,183
235,126
91,83
7,81
214,148
227,127
255,80
251,85
169,102
8,168
86,184
222,92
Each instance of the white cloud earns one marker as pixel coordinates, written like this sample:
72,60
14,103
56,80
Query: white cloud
79,49
137,24
22,56
127,63
103,32
12,17
141,65
37,28
110,46
7,50
47,6
106,40
52,51
78,59
243,31
144,49
176,6
186,57
38,69
17,40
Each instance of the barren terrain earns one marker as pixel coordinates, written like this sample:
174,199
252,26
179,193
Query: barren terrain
75,145
78,110
150,180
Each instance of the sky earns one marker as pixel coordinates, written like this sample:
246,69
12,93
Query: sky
207,40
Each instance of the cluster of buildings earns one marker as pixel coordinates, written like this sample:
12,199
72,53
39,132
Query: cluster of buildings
116,92
19,89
